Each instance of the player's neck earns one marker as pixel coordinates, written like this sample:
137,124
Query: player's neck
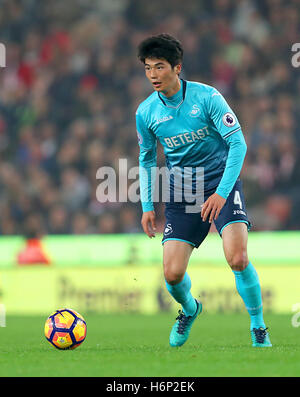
173,89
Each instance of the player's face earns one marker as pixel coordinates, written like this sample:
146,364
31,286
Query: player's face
162,76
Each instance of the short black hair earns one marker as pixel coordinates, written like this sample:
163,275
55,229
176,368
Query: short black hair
162,46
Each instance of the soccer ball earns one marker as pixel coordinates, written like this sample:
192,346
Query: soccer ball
65,329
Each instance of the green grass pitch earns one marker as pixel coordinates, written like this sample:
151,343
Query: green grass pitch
136,345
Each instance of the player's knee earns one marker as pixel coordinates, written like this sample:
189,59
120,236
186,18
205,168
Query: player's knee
238,261
172,276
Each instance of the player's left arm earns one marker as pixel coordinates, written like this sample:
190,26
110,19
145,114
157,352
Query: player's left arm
229,128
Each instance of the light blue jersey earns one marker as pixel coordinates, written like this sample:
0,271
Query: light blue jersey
196,128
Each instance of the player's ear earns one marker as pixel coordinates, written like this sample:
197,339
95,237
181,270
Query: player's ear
178,68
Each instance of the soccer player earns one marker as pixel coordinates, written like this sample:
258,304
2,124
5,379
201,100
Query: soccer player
198,130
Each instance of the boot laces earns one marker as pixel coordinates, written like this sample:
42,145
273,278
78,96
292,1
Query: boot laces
260,334
183,321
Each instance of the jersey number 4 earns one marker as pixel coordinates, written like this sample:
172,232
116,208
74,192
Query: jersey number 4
237,199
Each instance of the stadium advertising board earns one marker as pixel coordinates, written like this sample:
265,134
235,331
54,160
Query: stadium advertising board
89,273
136,289
264,248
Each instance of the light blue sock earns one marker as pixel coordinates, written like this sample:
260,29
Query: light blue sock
248,286
182,294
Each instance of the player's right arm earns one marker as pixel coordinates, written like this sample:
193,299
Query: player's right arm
147,172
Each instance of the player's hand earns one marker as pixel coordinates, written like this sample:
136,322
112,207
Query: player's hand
212,207
148,223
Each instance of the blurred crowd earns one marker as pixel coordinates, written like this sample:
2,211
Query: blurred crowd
72,83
